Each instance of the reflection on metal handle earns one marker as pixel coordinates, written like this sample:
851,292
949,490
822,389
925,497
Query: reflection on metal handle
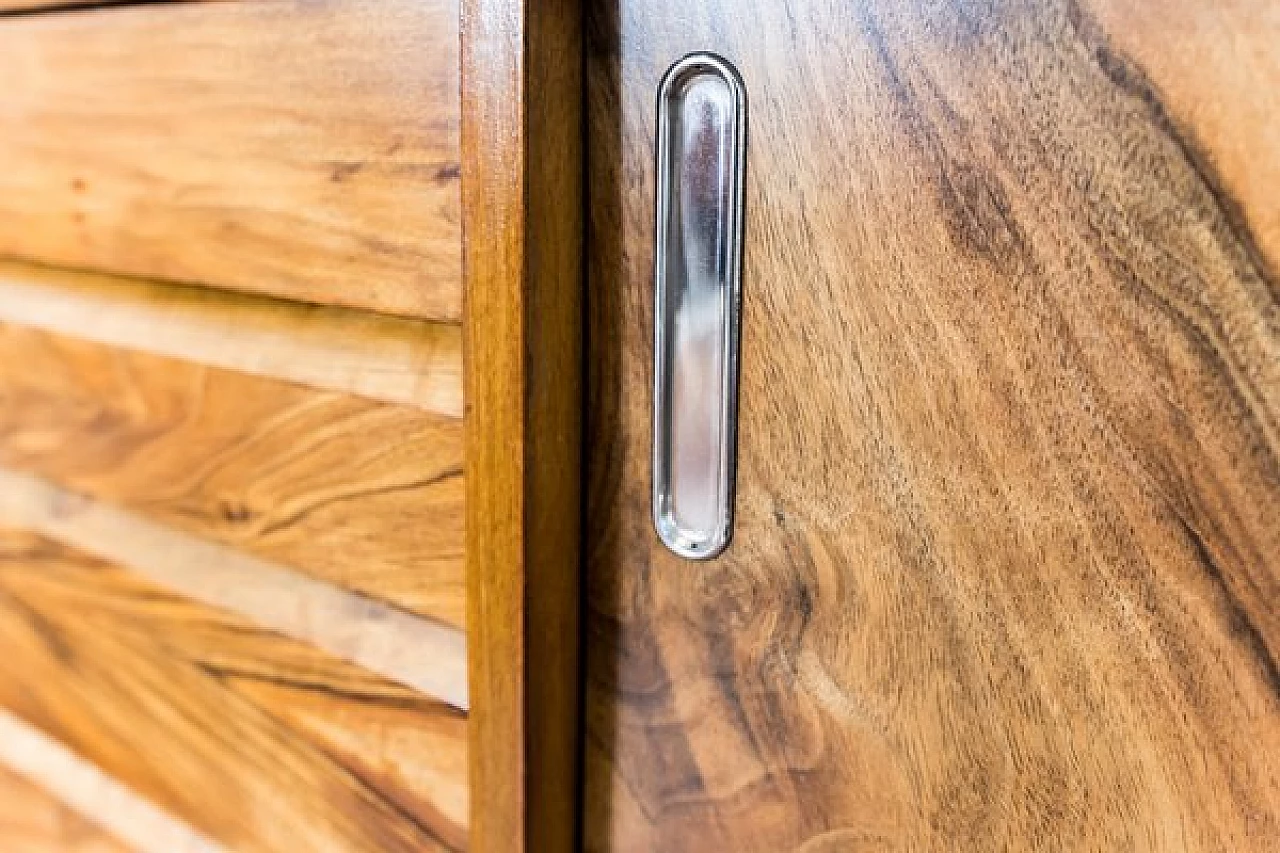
702,118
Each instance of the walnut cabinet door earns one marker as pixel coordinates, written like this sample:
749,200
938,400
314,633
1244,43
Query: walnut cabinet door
1005,565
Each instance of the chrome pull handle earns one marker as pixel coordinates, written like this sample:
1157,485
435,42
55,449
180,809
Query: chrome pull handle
702,132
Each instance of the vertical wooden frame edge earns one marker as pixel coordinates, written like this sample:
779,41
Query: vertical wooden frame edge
523,273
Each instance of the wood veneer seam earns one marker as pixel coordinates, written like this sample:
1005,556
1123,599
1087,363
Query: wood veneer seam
86,789
408,649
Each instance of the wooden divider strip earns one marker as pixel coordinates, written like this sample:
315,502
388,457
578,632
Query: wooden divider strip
523,202
407,649
86,789
416,363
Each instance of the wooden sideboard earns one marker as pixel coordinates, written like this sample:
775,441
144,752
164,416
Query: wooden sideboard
327,367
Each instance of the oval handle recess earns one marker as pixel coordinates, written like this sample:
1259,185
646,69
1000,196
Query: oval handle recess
701,134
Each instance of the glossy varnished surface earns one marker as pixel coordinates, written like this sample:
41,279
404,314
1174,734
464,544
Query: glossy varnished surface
1005,569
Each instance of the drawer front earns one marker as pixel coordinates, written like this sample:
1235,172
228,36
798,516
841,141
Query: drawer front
302,149
1005,572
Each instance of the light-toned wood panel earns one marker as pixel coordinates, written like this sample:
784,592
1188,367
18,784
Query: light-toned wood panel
32,820
365,495
419,653
1203,61
304,149
261,742
416,363
1006,568
523,198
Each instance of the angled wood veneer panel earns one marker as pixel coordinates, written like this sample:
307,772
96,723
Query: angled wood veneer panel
366,495
419,653
385,358
259,741
304,149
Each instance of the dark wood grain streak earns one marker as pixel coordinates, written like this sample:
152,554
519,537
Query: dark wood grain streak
1192,52
1006,573
1129,77
523,200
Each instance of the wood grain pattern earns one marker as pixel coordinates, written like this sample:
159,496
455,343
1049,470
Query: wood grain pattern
384,358
1206,60
523,199
1006,573
261,742
422,654
34,821
303,149
89,791
364,495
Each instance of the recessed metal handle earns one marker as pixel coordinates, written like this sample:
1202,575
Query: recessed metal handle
702,133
